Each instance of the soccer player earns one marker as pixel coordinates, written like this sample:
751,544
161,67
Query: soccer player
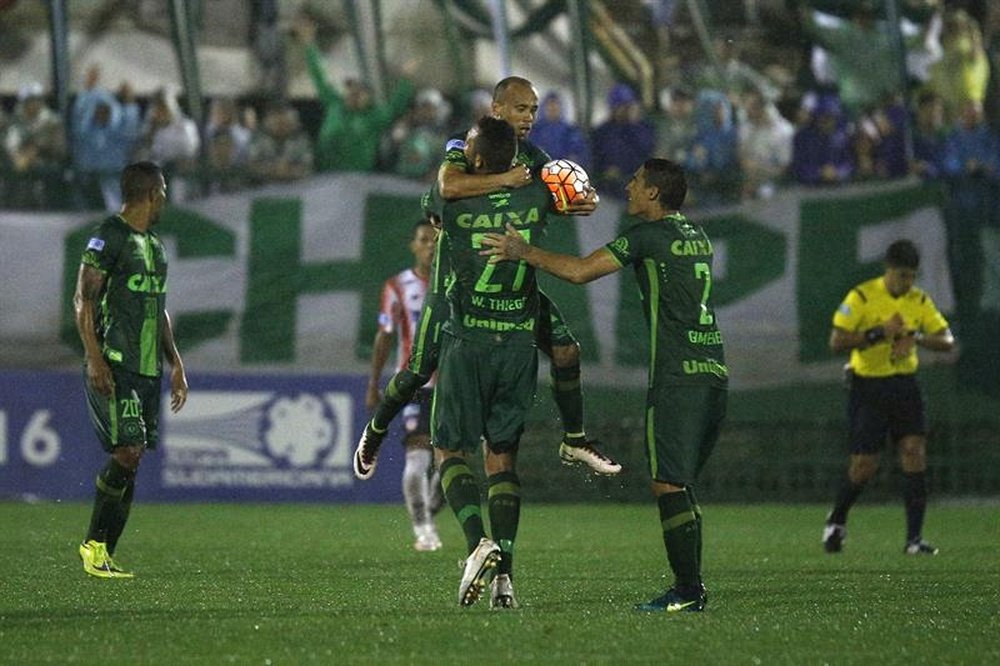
399,315
688,378
489,363
120,315
515,101
882,322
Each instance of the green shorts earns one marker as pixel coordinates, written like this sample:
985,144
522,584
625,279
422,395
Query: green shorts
427,342
682,426
131,415
484,390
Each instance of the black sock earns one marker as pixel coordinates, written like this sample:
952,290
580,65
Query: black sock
568,396
462,492
846,498
505,514
124,508
680,537
398,393
696,508
915,500
112,482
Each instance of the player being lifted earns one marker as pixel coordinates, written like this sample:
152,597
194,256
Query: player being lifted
515,101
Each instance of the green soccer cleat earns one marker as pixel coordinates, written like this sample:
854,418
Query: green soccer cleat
673,601
97,562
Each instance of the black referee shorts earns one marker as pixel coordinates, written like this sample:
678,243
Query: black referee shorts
880,406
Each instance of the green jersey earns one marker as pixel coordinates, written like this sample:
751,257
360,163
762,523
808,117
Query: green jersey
528,154
672,258
492,301
130,312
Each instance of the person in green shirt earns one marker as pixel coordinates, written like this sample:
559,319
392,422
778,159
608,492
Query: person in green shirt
352,124
688,378
488,361
123,323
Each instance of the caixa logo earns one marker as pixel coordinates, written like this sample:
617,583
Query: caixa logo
259,439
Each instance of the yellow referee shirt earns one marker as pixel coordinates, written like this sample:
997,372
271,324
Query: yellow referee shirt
870,304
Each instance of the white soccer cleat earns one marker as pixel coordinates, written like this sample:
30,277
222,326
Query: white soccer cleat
478,571
427,539
834,536
588,454
502,592
366,454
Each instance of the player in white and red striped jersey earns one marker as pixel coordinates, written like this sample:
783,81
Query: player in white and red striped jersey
399,315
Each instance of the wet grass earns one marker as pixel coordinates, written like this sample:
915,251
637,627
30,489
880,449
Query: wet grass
290,584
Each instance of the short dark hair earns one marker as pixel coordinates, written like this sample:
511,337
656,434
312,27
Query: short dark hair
422,222
501,87
139,179
496,143
669,178
902,254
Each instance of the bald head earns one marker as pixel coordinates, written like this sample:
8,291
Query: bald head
516,101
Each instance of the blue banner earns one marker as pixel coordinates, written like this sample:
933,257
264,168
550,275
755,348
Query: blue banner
254,438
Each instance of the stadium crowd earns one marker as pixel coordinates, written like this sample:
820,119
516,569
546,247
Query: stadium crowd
827,103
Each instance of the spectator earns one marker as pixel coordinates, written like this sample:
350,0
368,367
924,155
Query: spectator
35,143
929,136
765,146
281,151
105,129
227,144
675,126
731,75
170,139
712,165
418,138
622,143
352,125
962,73
971,165
861,52
880,141
821,149
560,138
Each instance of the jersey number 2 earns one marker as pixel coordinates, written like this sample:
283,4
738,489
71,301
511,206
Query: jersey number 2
702,271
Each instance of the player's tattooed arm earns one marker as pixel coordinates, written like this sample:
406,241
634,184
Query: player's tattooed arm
178,380
89,286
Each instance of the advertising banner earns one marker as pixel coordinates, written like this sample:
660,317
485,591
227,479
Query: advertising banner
259,438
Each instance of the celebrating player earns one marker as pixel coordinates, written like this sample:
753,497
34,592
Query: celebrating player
120,315
686,399
515,101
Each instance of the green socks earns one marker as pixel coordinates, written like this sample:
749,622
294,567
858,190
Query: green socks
398,393
462,491
568,396
505,514
107,518
680,536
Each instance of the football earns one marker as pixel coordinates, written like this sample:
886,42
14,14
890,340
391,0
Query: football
566,180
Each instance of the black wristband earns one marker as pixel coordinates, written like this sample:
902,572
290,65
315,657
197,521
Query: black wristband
875,334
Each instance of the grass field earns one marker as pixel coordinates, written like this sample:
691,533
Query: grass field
289,584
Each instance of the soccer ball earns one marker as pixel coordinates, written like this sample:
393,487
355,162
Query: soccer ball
566,180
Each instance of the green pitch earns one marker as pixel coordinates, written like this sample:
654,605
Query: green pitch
291,584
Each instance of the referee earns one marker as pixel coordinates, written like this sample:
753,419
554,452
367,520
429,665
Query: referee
882,322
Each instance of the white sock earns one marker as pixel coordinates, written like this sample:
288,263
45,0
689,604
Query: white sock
416,489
